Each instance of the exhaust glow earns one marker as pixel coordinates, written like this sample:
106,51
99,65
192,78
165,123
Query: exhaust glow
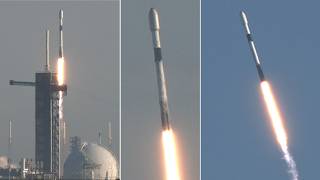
60,77
169,148
60,74
278,127
275,116
60,67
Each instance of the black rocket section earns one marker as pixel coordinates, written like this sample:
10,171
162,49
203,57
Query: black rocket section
260,73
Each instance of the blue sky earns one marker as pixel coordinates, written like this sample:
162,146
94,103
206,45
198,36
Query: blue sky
237,140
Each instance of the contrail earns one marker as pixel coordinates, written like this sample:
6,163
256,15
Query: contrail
270,102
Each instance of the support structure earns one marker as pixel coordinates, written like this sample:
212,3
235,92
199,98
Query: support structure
10,148
47,124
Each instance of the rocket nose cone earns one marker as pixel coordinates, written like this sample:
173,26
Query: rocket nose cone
154,20
244,17
61,13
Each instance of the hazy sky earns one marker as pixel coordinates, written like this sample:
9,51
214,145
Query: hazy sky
91,47
141,148
237,140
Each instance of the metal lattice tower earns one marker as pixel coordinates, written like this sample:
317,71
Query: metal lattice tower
47,124
56,150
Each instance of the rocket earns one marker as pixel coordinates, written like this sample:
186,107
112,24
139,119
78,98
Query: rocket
61,34
252,46
162,87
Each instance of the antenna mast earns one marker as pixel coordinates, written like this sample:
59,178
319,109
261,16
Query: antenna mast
47,65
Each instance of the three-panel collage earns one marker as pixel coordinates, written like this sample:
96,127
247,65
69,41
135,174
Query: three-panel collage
159,90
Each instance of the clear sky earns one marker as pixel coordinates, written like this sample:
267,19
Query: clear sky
237,140
141,148
91,47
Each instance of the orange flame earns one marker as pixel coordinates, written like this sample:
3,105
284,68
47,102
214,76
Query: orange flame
60,78
278,127
60,69
275,116
169,148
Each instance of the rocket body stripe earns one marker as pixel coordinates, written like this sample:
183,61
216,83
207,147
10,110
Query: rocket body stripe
260,73
249,37
161,80
252,46
157,54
